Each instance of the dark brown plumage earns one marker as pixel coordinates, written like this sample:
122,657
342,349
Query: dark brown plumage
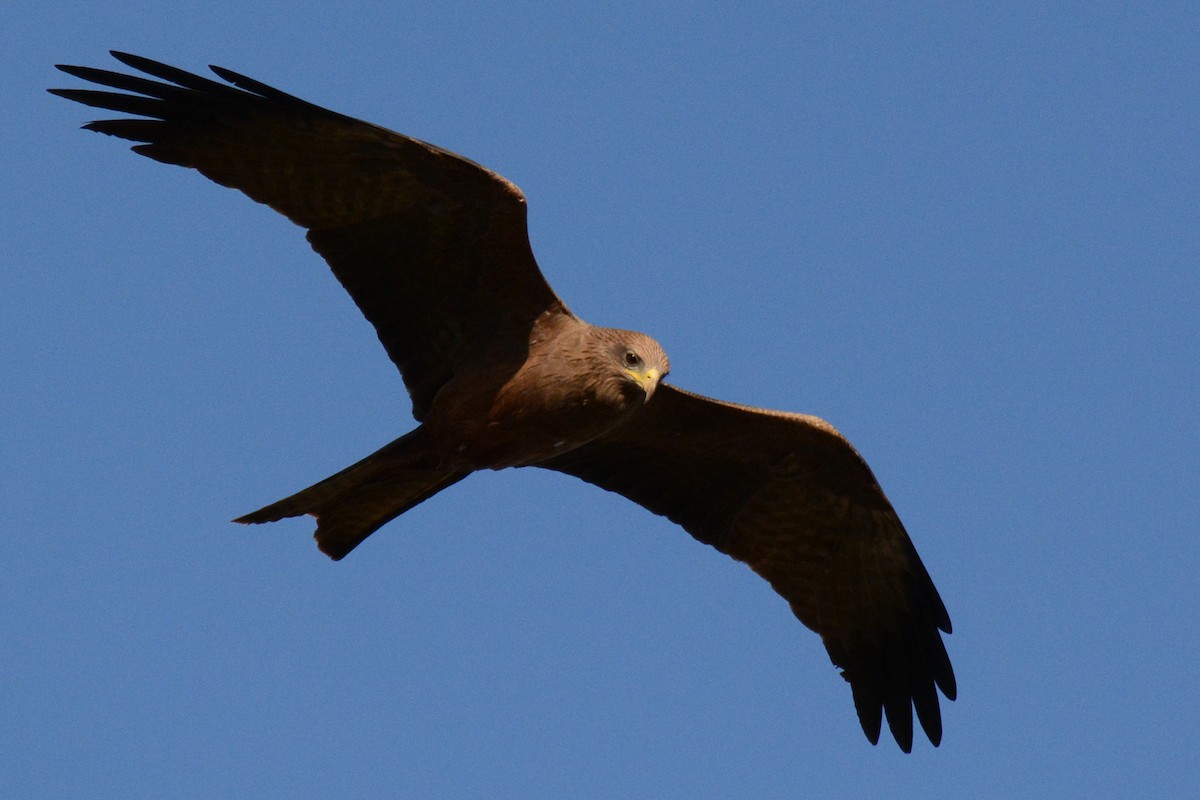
434,250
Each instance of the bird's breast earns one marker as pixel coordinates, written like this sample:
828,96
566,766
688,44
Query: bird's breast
535,414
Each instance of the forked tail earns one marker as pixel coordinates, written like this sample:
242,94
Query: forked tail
357,501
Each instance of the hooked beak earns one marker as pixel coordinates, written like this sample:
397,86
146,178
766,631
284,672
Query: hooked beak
648,380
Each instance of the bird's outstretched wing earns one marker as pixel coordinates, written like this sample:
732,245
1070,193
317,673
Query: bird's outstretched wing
789,496
433,248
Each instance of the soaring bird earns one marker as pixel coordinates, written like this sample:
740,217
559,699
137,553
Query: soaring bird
434,250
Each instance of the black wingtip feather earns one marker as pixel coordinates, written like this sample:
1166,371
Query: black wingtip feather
174,75
124,82
251,85
870,710
271,93
112,101
897,707
929,714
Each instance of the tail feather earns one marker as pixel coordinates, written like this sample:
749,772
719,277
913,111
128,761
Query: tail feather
356,502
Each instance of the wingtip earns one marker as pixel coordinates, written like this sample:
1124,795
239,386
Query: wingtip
129,59
900,724
870,714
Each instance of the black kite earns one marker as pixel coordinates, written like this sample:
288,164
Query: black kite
434,250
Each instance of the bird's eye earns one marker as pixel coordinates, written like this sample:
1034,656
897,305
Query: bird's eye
632,359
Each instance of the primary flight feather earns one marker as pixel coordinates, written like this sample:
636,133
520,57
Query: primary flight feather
434,250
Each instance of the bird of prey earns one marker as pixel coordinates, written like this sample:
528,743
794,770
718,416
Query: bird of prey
434,250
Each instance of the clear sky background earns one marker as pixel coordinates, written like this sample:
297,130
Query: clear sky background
966,234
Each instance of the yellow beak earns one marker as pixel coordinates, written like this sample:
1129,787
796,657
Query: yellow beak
648,380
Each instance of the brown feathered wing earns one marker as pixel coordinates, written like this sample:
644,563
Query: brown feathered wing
789,496
433,248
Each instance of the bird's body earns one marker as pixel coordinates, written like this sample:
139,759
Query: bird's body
537,411
434,250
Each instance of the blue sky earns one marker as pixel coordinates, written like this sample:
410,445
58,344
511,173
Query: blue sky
966,234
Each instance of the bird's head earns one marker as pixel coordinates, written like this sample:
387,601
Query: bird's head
641,361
